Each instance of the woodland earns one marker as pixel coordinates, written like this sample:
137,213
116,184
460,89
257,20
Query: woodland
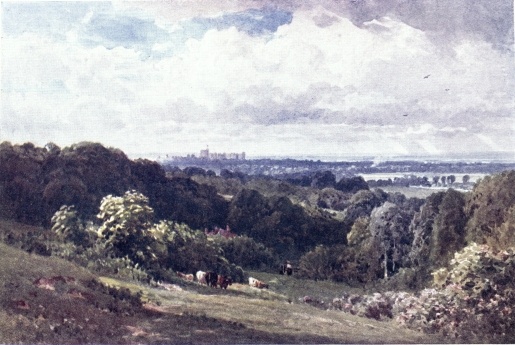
442,265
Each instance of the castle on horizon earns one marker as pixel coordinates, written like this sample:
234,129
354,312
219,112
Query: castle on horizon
205,154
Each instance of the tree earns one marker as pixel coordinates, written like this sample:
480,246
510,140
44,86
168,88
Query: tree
466,179
323,179
125,224
391,239
53,148
435,180
422,228
443,179
68,226
448,235
451,179
351,184
362,203
488,207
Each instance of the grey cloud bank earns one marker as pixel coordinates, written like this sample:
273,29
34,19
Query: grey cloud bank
347,78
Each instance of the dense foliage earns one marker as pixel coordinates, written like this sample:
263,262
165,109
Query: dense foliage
36,182
279,224
490,211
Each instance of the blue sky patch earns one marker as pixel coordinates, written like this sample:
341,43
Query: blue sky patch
127,32
254,22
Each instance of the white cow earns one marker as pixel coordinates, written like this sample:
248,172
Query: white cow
257,283
252,281
201,277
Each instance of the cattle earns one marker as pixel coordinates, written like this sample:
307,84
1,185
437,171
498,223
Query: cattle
211,279
201,277
224,281
257,283
187,277
261,285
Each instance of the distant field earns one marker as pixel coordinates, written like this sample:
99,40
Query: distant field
429,175
412,192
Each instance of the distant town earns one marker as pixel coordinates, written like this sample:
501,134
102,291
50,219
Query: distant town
213,156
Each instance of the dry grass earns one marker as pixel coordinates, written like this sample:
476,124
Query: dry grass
82,311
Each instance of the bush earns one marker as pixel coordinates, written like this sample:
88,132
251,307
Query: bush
68,227
246,252
126,221
323,263
474,297
472,300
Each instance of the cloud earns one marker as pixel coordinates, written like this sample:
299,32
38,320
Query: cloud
265,79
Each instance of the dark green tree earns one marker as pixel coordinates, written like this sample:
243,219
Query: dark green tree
448,234
488,207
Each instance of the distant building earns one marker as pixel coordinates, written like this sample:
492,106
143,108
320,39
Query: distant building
205,154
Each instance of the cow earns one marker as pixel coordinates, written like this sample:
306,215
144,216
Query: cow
211,279
224,281
257,283
201,277
261,285
188,277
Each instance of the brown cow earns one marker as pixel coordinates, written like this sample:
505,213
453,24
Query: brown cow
224,281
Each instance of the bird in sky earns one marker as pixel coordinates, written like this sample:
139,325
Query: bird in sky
427,76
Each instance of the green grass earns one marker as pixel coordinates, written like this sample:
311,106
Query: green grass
186,313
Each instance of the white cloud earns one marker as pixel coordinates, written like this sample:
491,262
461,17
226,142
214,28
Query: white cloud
307,88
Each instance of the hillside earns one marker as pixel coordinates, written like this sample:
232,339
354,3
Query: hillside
443,264
76,308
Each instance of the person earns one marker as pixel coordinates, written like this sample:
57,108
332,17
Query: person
289,268
286,268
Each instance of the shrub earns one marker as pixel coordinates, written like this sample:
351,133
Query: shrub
246,252
474,297
126,221
67,225
323,263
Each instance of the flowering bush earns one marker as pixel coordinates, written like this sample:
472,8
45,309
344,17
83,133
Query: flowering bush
472,301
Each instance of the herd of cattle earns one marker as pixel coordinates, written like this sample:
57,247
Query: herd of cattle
218,280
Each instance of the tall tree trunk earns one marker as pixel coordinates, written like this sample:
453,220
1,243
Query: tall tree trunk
385,263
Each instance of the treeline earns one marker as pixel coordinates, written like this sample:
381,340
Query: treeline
277,167
35,182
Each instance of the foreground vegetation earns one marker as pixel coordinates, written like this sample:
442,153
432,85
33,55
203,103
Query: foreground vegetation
83,309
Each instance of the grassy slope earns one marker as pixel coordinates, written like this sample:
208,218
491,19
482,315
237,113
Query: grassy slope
185,313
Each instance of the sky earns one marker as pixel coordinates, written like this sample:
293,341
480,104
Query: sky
345,78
